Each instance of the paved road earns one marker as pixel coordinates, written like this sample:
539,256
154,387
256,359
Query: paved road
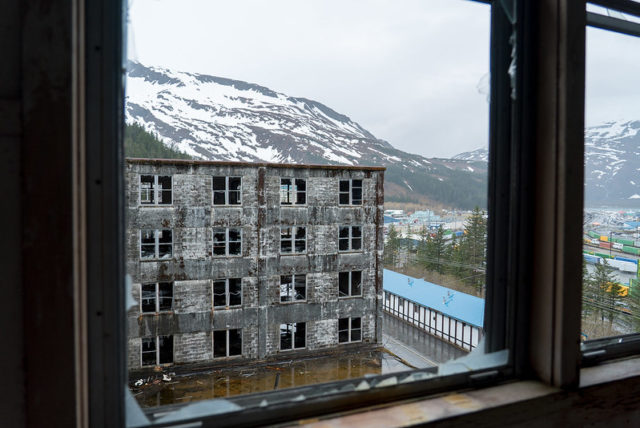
415,346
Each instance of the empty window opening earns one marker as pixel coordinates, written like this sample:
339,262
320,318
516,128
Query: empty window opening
227,343
156,297
293,336
156,244
350,192
350,284
157,350
350,238
227,292
293,191
293,288
227,190
293,240
349,330
155,190
227,241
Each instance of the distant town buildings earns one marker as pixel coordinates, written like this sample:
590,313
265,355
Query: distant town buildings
241,261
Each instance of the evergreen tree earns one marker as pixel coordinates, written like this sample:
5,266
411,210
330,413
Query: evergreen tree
392,247
435,251
604,291
473,248
138,143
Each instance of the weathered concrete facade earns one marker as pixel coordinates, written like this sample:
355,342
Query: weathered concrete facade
192,268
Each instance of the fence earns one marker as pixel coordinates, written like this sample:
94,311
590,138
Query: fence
452,330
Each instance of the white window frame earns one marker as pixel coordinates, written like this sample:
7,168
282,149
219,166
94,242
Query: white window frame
292,288
156,340
226,242
293,240
350,329
350,282
350,192
155,190
226,191
157,297
292,325
226,293
157,244
292,193
351,238
227,343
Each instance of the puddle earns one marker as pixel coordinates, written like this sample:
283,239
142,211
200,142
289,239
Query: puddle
247,379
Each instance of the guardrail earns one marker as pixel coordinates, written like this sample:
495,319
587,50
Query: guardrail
432,321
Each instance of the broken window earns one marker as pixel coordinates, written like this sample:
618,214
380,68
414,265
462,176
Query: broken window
227,190
156,244
227,241
227,343
157,350
293,240
350,284
293,191
350,238
349,330
156,297
293,288
227,292
350,192
155,190
293,336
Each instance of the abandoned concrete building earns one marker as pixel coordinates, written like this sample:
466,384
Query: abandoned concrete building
251,261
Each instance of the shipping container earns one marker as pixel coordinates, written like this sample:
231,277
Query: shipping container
606,245
617,245
603,255
593,234
604,238
595,242
626,259
631,250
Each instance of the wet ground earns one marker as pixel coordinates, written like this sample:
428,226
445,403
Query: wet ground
246,380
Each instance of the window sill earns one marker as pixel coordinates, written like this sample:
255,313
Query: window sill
608,392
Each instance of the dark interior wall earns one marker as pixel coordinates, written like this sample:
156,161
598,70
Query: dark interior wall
12,393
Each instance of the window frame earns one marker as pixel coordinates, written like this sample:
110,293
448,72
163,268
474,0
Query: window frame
156,341
350,192
226,191
156,191
292,288
533,356
227,294
157,298
293,337
156,244
227,242
293,240
349,330
351,238
350,284
293,191
227,343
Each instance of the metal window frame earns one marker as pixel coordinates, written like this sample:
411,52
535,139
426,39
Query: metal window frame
350,181
607,348
292,193
226,242
293,339
156,340
291,290
349,330
155,190
157,244
226,191
157,297
350,272
227,343
350,249
293,240
227,294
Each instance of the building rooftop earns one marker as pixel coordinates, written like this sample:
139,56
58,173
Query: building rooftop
455,304
144,161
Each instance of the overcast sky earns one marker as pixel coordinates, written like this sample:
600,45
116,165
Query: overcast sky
412,72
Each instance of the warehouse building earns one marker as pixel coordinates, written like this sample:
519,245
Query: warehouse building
240,261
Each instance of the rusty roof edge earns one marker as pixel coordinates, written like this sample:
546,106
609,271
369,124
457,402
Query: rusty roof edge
149,161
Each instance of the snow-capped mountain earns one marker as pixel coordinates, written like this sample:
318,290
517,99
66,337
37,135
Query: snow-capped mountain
217,118
612,163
